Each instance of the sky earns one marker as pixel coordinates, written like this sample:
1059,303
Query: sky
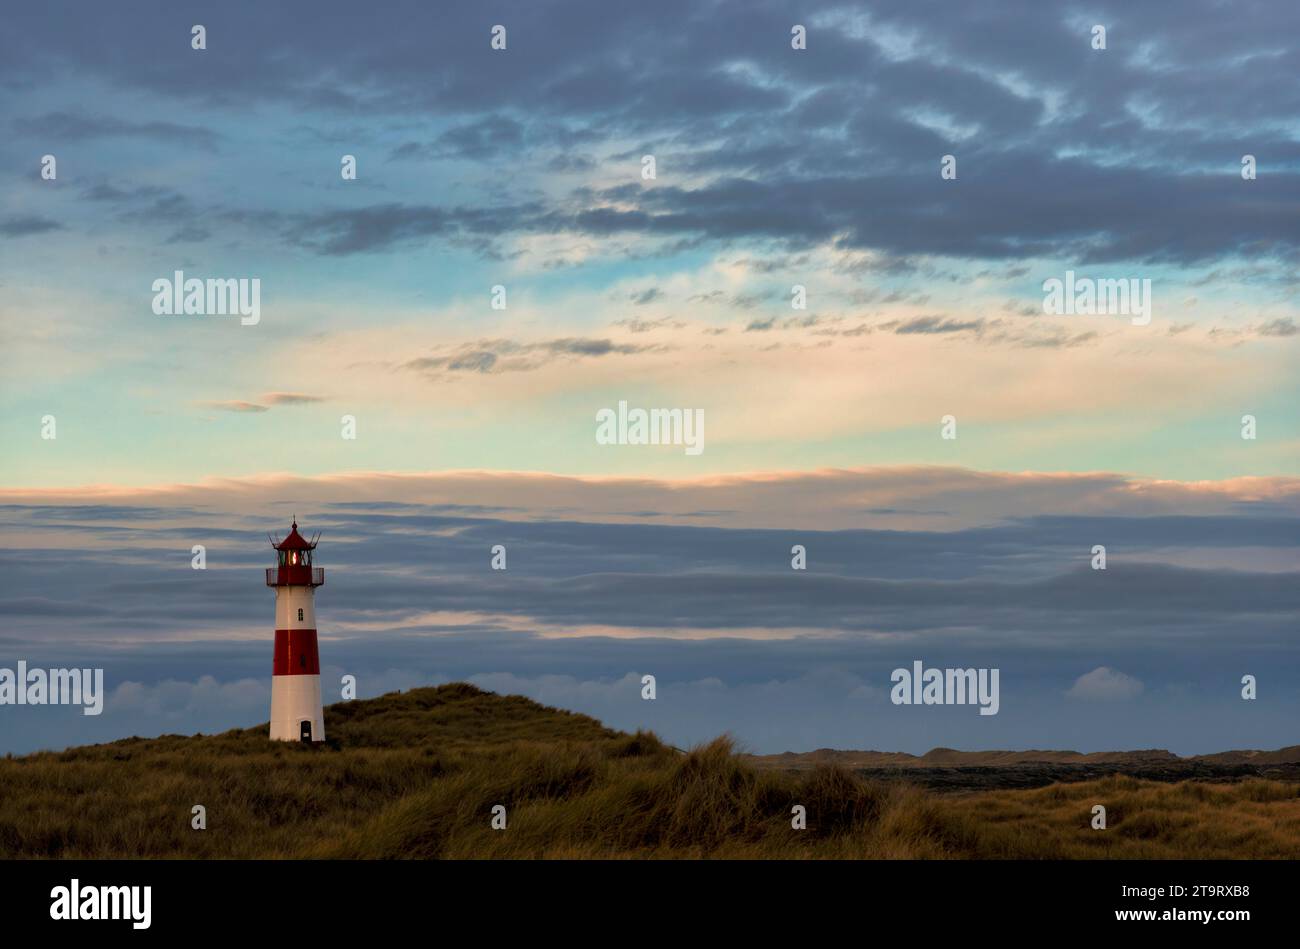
518,176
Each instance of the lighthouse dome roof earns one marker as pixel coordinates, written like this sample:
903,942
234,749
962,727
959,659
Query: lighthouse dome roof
294,541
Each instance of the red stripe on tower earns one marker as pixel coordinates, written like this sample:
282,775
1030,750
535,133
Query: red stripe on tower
295,653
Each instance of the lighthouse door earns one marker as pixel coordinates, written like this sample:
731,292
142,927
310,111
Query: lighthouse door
304,730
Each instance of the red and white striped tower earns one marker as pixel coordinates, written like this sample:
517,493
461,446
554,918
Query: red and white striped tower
295,682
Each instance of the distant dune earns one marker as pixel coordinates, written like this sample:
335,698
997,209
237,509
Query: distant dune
944,769
948,757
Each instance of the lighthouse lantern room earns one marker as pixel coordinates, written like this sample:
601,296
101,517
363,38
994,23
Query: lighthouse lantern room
295,681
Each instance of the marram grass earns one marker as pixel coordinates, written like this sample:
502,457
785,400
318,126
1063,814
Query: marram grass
416,775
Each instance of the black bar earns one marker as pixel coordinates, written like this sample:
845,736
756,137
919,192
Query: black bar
962,897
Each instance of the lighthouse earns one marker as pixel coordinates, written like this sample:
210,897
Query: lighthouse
295,679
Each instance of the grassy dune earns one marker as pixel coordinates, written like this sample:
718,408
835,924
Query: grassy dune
416,775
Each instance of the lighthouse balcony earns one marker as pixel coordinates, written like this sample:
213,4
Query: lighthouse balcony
295,576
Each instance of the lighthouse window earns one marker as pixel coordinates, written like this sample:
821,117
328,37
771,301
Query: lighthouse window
300,616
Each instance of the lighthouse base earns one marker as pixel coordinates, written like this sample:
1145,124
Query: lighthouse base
295,709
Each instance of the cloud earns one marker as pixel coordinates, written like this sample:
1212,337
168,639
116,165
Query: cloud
861,213
564,163
646,296
264,404
60,127
1024,582
492,137
771,696
378,227
600,592
1105,684
495,136
172,701
1049,167
634,325
505,355
189,235
925,497
234,405
26,225
290,398
1280,327
934,324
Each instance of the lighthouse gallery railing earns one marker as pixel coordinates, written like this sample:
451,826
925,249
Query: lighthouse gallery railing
295,576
